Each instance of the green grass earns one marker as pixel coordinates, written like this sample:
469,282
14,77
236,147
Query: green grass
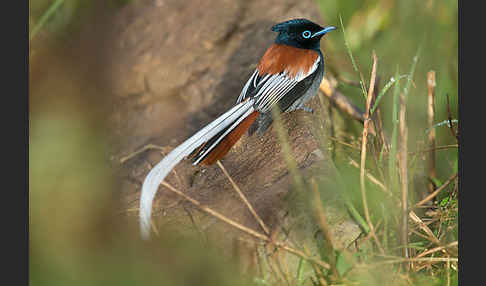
45,16
400,42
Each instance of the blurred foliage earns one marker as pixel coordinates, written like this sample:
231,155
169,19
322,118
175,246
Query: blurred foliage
399,32
396,30
77,234
61,17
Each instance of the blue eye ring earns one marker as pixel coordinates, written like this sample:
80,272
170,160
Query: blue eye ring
306,34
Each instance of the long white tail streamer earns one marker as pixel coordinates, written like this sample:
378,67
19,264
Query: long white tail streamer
162,169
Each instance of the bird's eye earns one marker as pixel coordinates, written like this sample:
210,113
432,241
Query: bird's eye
306,34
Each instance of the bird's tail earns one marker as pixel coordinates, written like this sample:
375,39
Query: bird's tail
207,146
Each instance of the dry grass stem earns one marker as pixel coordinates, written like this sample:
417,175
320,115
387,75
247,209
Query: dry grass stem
270,265
422,259
216,214
243,198
319,212
372,178
301,254
439,248
430,120
154,228
193,222
436,192
282,266
349,81
403,168
344,143
320,275
246,229
367,237
141,150
376,117
381,131
363,153
417,233
438,148
343,103
430,235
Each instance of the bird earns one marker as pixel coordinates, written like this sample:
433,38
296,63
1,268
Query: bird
288,74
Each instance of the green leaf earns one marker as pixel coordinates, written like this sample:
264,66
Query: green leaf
342,265
436,181
445,122
444,201
300,271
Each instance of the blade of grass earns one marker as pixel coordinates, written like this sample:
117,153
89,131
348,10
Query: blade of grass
385,226
43,19
357,216
445,122
361,81
393,150
403,169
406,89
300,271
286,150
393,142
387,86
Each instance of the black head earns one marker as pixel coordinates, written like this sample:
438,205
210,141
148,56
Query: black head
300,33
